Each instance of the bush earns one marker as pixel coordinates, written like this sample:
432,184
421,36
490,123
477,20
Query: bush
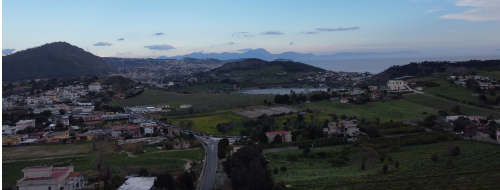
454,150
291,157
385,168
337,162
322,154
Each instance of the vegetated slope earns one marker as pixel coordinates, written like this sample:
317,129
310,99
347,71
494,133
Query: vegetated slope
426,68
120,83
54,60
254,64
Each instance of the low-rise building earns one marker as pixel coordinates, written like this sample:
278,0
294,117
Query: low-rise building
138,183
85,137
50,178
397,85
285,135
347,128
125,130
23,124
9,140
9,130
149,128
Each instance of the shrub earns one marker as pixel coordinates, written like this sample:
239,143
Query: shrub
322,154
385,168
454,150
291,157
396,165
337,162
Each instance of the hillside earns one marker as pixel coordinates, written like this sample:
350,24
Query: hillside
256,64
54,60
426,68
118,82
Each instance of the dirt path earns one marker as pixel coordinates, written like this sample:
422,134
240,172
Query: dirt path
187,166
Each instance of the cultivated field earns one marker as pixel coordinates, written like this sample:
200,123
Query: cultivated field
30,152
155,161
444,104
157,97
476,159
208,124
254,113
385,110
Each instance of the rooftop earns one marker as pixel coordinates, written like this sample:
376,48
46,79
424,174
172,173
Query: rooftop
278,132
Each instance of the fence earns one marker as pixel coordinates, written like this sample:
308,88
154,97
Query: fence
264,151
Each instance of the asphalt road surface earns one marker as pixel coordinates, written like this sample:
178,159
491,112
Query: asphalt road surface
207,181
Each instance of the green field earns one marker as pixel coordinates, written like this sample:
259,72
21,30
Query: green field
492,74
454,91
415,164
208,124
385,110
444,104
29,152
158,97
160,160
212,88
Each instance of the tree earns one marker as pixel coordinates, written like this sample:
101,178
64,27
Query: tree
46,113
62,111
276,171
363,167
430,120
283,169
455,110
164,181
306,150
277,139
81,121
186,180
245,167
396,165
385,168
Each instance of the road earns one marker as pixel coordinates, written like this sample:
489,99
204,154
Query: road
208,177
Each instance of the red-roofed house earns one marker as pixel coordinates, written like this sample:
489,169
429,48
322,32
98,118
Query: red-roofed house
50,178
285,135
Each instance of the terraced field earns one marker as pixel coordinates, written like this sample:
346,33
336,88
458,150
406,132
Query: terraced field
444,104
415,166
157,97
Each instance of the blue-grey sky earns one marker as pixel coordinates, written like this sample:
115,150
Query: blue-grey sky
169,28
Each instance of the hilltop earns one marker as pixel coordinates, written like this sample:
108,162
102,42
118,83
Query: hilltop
54,60
256,64
426,68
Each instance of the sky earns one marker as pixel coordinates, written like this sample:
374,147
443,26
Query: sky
148,29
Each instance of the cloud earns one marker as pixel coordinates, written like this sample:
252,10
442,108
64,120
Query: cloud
433,10
162,47
103,44
158,34
291,43
7,51
230,43
337,29
272,33
240,32
245,50
248,35
121,39
312,32
125,53
486,10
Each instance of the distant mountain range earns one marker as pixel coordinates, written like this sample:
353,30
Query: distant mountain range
265,55
54,60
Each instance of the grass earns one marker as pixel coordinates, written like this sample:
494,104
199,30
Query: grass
415,165
212,88
158,97
161,160
492,74
392,109
453,90
444,104
208,124
30,152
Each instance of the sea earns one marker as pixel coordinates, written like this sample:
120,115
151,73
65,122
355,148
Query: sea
377,65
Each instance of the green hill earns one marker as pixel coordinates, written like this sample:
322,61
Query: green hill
54,60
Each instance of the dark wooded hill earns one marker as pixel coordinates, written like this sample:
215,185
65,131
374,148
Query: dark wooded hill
426,68
54,60
255,64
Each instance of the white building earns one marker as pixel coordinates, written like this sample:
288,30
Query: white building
344,127
9,130
95,87
286,136
185,105
149,127
138,183
50,178
397,85
22,124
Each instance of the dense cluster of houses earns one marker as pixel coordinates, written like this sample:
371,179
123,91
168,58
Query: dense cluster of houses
48,99
477,129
